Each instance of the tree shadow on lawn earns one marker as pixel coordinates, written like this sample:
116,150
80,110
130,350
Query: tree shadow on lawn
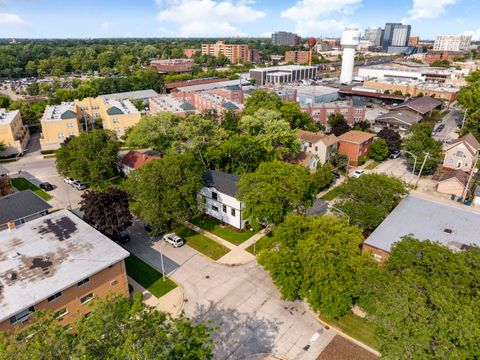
238,336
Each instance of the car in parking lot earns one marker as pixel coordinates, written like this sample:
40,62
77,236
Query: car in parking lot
173,239
394,154
79,185
358,173
46,186
69,180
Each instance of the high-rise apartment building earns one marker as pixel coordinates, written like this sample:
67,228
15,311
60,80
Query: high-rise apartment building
374,36
233,52
285,38
395,34
452,42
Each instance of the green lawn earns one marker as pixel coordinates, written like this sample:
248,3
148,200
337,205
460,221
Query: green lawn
23,184
203,244
373,165
356,327
148,277
332,194
217,228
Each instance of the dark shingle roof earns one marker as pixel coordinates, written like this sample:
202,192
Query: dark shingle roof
405,116
230,106
114,111
223,182
187,106
21,204
460,175
422,104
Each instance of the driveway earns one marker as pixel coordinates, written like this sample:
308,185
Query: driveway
242,301
452,121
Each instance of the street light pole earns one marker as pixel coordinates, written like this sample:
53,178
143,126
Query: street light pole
343,213
421,169
415,160
161,261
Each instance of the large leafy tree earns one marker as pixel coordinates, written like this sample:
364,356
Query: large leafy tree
90,157
292,113
469,97
323,176
379,150
370,198
115,329
338,124
163,192
316,258
425,301
392,138
420,142
108,210
260,99
275,189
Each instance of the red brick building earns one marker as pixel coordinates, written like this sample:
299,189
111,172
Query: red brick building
297,57
353,111
355,144
434,55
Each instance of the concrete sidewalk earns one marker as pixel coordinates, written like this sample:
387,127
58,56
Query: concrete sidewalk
211,236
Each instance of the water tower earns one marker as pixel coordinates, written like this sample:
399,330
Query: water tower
349,42
311,43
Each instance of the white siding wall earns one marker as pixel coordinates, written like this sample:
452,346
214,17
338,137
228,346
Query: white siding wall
454,161
222,200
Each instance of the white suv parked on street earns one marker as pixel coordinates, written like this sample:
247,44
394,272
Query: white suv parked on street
173,239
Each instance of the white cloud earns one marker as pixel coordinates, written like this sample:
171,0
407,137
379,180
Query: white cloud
106,25
12,20
429,9
475,34
310,15
208,17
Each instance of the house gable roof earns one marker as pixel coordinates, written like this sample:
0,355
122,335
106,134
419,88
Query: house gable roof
356,137
470,141
223,182
405,116
315,137
460,175
135,159
421,105
21,204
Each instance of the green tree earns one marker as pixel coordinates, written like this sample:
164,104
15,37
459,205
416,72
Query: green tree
323,176
420,142
316,258
392,138
379,150
469,97
260,99
273,190
297,118
368,199
424,300
5,101
90,157
338,160
338,124
116,329
163,192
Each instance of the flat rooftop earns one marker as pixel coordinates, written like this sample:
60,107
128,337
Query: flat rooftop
134,95
215,85
449,225
288,68
169,103
54,112
125,106
7,116
47,255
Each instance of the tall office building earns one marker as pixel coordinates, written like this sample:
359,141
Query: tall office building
395,34
373,35
452,42
285,38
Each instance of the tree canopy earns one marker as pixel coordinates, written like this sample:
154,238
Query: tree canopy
273,190
315,258
163,192
260,99
338,124
469,97
90,157
379,150
368,199
392,138
425,301
115,329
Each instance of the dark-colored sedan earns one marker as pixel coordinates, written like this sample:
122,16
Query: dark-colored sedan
46,186
336,175
121,237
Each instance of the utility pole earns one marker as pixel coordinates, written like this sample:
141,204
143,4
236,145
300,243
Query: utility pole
470,177
464,117
421,168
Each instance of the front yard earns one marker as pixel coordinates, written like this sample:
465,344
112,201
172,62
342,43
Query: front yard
332,194
217,228
21,183
148,277
206,246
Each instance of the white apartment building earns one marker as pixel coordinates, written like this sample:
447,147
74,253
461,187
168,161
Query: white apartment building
218,198
452,42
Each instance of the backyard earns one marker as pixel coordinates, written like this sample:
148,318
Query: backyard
148,277
21,183
206,246
226,233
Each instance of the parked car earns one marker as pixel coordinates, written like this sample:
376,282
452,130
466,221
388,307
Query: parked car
336,175
69,180
438,129
121,237
173,239
46,186
358,173
148,227
394,154
79,185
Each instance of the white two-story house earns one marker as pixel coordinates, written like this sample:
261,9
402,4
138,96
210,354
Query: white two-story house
461,154
218,198
318,144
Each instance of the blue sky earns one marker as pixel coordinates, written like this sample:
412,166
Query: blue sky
229,18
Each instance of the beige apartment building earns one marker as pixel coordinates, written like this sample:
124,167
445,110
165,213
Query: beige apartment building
57,263
13,134
68,119
233,52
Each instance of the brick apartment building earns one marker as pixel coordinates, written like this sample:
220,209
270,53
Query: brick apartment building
353,111
235,53
189,53
177,66
57,263
297,57
355,144
433,55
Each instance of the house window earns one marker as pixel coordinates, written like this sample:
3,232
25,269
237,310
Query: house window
309,144
214,196
84,281
86,298
204,199
55,296
61,136
224,208
377,257
214,208
69,125
61,313
114,282
116,121
316,148
460,154
232,211
22,315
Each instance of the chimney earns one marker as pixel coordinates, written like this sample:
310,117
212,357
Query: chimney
11,225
